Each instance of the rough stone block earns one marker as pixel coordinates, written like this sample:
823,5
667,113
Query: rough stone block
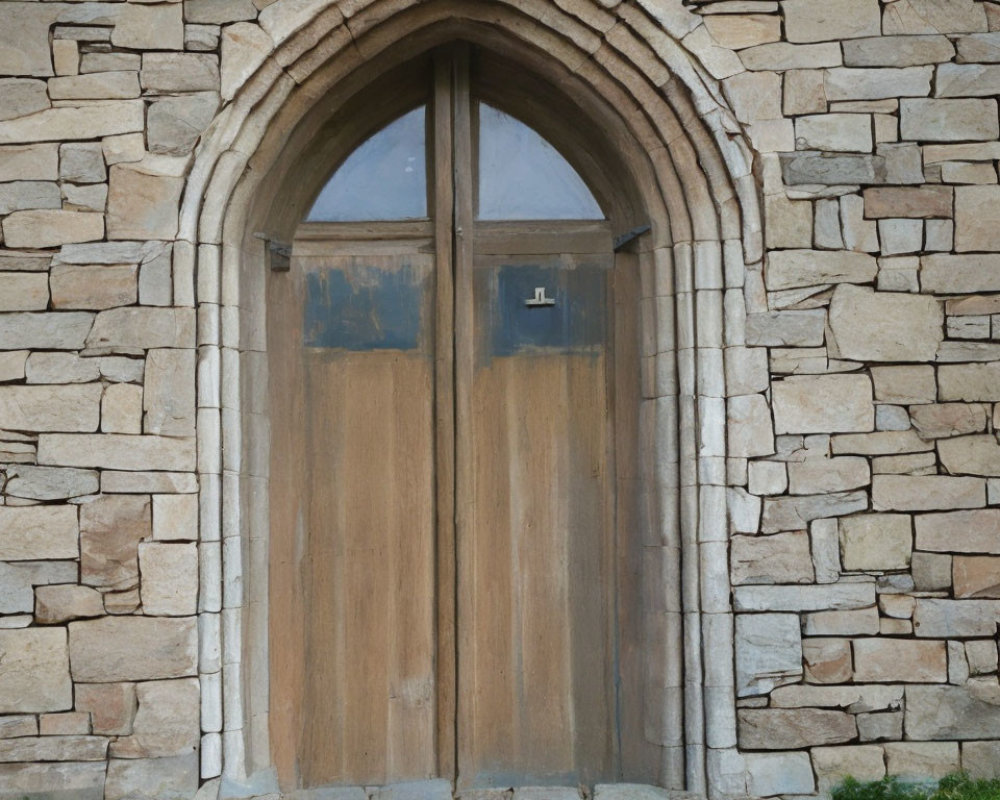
885,326
24,38
51,228
947,274
36,162
112,706
787,729
977,218
175,517
875,84
82,780
768,652
969,382
876,542
96,288
898,51
808,21
75,122
171,778
782,558
169,578
176,123
141,205
169,393
49,483
827,660
855,699
133,648
923,202
23,291
833,596
929,16
833,764
928,120
976,576
749,429
981,759
117,451
166,723
95,86
34,671
219,11
926,492
823,404
111,528
75,407
244,47
28,195
941,420
771,774
938,618
82,162
855,622
900,661
61,603
971,455
921,760
180,72
150,27
37,532
787,269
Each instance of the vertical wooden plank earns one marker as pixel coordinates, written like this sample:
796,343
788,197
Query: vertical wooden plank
444,410
287,470
465,533
363,703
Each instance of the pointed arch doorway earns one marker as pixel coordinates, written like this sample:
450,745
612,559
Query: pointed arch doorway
454,579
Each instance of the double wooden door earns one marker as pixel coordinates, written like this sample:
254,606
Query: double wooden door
443,490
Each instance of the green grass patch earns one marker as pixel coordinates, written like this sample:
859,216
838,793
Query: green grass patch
954,787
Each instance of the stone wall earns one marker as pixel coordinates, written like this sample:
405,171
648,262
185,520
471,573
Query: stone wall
862,377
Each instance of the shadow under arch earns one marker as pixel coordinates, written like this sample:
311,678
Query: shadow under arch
656,160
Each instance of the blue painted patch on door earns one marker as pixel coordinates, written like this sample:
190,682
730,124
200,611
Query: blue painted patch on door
575,322
363,308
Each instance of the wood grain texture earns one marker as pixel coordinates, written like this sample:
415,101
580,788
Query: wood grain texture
356,549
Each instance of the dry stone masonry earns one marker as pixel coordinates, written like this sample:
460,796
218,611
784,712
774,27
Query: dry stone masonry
861,353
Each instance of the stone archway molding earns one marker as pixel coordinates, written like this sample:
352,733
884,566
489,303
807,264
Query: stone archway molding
707,238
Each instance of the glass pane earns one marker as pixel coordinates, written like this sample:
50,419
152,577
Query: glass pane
385,178
522,176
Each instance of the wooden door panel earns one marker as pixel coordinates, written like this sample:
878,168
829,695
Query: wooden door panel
535,576
362,520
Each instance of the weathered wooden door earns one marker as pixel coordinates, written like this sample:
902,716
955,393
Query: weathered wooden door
442,466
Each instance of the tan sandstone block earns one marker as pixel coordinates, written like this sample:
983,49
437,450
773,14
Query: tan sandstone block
143,327
976,576
95,86
969,382
782,558
75,122
150,27
111,528
921,760
54,748
71,408
244,48
121,408
876,542
787,269
96,287
24,37
921,202
900,661
827,660
117,451
63,602
977,218
905,384
24,291
112,706
133,648
926,492
169,572
823,404
783,729
971,455
142,206
743,30
68,723
33,162
930,16
34,671
822,475
180,72
169,399
885,326
809,21
51,228
175,517
941,420
948,120
28,533
166,723
147,778
833,764
898,51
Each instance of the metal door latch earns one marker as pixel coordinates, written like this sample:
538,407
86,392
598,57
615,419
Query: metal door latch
540,299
